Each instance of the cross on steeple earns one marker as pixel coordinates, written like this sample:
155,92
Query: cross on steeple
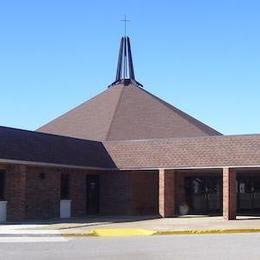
125,68
125,21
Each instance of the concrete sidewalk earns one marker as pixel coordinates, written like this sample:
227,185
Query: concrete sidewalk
83,226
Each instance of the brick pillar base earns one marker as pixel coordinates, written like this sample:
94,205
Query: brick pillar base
166,193
229,194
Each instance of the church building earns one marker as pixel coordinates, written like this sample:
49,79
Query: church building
127,152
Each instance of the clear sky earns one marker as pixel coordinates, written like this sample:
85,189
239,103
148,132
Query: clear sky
201,56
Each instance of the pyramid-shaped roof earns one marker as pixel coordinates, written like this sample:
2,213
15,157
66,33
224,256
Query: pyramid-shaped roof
126,112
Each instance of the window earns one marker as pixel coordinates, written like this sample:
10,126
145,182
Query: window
65,187
2,185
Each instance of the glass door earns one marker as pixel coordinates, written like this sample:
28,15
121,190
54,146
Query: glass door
249,194
214,194
198,194
203,194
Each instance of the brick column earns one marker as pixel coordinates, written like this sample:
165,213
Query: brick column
229,194
166,193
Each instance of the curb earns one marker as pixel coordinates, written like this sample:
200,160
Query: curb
207,231
114,232
134,232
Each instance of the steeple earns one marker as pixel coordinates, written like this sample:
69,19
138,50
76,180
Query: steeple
125,68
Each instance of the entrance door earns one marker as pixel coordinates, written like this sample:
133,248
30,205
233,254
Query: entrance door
249,194
92,186
204,194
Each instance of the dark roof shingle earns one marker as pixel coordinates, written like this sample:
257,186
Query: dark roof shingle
30,146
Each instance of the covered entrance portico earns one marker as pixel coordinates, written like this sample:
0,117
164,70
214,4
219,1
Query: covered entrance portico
198,191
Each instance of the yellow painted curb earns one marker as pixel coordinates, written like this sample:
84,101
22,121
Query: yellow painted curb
121,232
207,231
124,232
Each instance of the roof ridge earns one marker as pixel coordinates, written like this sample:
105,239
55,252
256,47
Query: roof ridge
116,107
184,115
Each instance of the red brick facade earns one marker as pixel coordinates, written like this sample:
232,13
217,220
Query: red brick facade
15,192
115,193
78,193
42,193
144,192
34,192
129,193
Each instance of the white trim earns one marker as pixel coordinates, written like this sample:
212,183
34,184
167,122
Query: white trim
54,165
188,168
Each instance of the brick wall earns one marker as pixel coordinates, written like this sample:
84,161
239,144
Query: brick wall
78,193
144,192
34,192
42,193
15,185
43,196
115,193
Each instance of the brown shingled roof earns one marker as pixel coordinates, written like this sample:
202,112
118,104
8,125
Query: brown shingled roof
197,152
126,113
191,152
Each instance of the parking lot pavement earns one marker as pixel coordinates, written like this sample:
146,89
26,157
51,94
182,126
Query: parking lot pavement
227,246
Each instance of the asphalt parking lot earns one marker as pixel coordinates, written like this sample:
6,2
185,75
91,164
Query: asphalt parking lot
221,246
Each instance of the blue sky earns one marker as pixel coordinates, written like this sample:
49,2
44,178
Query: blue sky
201,56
